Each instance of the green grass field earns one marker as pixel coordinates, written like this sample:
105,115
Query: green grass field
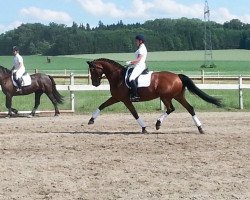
229,62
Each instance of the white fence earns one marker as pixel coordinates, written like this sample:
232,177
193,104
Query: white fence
72,88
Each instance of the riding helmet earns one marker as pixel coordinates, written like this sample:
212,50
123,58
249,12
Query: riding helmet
15,48
140,37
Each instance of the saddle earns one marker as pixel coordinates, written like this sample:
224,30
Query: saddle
143,80
26,80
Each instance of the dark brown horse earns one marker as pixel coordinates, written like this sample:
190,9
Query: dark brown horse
40,83
165,85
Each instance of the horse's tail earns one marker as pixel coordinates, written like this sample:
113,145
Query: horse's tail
187,82
56,94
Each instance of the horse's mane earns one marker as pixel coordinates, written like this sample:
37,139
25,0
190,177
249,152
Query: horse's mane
5,70
110,61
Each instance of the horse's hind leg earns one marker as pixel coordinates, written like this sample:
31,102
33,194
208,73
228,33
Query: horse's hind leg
170,108
38,95
54,102
181,99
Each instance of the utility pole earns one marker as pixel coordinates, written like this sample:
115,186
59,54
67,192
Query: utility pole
208,54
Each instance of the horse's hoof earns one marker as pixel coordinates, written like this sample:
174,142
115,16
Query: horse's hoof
91,121
15,112
201,130
8,116
30,116
56,115
144,130
158,125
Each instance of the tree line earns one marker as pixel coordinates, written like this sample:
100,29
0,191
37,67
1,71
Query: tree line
160,34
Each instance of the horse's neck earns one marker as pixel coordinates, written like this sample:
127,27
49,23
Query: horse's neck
3,77
5,82
113,75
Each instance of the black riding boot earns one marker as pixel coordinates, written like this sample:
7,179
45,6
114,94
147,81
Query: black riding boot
134,96
19,85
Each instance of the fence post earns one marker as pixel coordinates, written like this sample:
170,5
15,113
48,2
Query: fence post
65,74
202,77
89,77
240,93
72,95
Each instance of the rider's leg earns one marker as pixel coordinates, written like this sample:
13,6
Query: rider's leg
135,95
18,76
136,72
19,84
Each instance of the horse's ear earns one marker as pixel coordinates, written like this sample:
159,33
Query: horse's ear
89,63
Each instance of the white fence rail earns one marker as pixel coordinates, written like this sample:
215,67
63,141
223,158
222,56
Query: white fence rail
72,88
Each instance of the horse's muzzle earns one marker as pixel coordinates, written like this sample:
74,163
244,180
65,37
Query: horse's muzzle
96,83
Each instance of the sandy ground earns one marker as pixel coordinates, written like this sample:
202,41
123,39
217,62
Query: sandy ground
56,158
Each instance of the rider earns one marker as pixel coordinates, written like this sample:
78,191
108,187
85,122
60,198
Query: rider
138,64
18,68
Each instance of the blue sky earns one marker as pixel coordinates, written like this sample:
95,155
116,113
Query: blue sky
15,12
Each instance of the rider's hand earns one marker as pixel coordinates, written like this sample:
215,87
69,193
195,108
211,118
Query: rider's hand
128,62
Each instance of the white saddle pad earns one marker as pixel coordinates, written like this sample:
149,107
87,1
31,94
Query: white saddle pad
144,80
26,80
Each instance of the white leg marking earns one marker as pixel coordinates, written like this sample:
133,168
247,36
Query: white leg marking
141,123
196,121
162,117
96,113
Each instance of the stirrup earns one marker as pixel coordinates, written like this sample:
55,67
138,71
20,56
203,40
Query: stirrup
19,90
134,98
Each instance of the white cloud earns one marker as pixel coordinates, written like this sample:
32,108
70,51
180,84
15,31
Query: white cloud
172,8
144,9
140,9
99,8
13,25
222,15
46,15
245,18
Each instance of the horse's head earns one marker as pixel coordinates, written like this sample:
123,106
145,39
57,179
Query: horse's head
96,71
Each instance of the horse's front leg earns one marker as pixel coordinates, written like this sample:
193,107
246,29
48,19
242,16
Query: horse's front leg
131,108
8,104
38,95
107,103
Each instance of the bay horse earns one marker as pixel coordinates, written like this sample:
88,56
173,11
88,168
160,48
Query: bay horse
40,83
165,85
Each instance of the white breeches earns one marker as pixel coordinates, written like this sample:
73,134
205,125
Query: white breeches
20,72
138,69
